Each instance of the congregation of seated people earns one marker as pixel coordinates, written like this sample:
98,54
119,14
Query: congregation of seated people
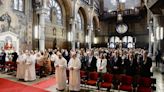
97,66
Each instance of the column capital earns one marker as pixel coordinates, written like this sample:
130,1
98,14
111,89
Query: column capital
42,11
90,27
72,20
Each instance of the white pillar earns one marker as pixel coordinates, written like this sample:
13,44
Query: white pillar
45,3
42,12
150,43
73,35
150,28
89,38
155,25
41,33
90,29
72,22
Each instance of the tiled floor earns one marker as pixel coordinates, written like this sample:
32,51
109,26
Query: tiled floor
159,80
156,74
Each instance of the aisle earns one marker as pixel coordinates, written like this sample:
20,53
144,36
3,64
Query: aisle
45,83
11,86
159,79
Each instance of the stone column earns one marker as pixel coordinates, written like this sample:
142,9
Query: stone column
73,40
90,27
150,28
28,14
44,3
42,13
72,22
155,25
90,37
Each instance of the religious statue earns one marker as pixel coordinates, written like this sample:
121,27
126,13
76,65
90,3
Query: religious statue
8,44
7,19
54,31
2,28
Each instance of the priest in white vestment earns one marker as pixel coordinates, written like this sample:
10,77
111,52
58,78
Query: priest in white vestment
33,58
30,74
20,66
53,58
60,70
74,66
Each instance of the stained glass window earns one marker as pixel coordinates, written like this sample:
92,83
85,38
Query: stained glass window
53,4
79,22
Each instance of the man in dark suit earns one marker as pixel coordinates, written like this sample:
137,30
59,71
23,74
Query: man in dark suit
116,63
116,67
14,57
145,65
131,65
3,54
91,64
158,58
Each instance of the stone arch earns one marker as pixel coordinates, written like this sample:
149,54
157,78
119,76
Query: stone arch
66,10
96,21
66,6
55,39
85,16
81,35
96,27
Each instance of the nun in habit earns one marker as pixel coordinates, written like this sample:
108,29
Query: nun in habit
60,70
74,66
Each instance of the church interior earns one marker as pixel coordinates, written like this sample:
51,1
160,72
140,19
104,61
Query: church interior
81,45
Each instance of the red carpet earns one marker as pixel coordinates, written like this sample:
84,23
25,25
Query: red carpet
10,86
45,83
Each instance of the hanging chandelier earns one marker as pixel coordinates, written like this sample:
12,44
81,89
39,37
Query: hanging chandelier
120,9
121,27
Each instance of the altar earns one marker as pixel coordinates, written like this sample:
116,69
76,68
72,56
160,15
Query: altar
9,41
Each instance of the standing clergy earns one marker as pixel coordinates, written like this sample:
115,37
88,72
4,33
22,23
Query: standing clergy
20,66
53,57
30,74
33,59
60,65
40,62
74,66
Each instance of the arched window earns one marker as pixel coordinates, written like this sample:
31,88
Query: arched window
19,5
79,22
114,41
53,4
128,41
